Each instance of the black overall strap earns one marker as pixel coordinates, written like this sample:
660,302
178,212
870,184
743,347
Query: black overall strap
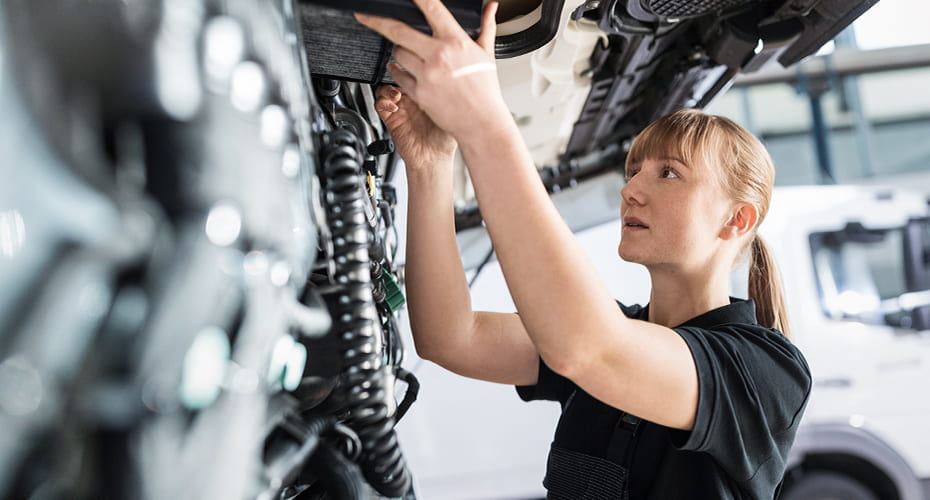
622,440
572,475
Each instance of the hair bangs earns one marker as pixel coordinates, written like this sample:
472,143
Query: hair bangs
687,135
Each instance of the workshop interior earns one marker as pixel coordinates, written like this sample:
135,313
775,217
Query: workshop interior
202,228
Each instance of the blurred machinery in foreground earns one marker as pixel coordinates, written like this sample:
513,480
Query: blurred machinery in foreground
198,284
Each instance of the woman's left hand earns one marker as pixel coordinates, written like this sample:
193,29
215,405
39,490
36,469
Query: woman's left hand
450,76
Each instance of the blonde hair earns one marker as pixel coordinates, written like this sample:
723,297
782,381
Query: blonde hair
745,170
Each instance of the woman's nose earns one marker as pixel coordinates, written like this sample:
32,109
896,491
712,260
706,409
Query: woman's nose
631,192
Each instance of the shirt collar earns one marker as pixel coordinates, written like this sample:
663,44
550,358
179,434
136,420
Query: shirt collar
737,311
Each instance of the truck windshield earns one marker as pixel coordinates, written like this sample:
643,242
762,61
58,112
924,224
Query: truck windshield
876,276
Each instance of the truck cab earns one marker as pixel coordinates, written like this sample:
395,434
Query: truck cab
854,266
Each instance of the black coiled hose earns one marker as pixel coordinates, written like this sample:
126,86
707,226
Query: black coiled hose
355,317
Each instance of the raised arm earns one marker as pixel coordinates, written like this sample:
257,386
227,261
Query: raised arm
568,313
482,345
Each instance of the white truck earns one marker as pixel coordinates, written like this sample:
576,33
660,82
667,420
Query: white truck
854,261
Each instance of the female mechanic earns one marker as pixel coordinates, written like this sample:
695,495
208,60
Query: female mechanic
696,395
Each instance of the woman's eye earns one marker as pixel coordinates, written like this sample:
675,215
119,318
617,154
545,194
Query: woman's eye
669,173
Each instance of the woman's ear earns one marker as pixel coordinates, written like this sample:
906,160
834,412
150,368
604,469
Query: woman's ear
742,220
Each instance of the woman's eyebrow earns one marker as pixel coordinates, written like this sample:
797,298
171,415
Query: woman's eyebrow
676,160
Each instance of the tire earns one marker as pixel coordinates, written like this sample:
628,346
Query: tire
828,486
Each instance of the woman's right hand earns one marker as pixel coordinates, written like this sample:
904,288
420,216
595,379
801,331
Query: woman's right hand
419,141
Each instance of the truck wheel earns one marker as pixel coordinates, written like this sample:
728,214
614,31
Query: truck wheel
828,486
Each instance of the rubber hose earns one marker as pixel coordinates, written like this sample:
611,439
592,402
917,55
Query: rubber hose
355,316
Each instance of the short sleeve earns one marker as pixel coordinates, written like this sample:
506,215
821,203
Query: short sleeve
753,387
550,386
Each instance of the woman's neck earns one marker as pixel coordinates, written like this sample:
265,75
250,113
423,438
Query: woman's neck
676,298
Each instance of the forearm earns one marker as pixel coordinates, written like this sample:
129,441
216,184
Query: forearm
555,289
439,303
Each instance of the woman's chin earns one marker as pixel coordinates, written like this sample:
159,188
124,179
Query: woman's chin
628,255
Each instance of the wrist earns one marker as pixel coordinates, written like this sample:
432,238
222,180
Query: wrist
490,130
484,126
421,166
427,171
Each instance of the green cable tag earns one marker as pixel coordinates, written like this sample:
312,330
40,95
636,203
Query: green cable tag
394,296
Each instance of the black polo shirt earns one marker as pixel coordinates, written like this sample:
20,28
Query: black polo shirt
753,387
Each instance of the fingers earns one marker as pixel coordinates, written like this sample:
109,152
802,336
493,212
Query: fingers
438,16
406,82
399,33
409,60
488,28
387,98
386,104
385,110
389,93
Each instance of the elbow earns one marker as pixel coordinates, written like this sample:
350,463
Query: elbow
430,348
441,344
425,351
425,346
567,363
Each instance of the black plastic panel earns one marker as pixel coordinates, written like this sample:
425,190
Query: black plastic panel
466,12
822,24
339,47
690,8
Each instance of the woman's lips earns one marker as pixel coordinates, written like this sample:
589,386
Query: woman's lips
633,223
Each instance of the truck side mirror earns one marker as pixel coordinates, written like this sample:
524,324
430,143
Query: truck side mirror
855,232
920,318
917,255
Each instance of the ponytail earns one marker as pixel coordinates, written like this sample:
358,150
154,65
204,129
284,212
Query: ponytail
765,288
